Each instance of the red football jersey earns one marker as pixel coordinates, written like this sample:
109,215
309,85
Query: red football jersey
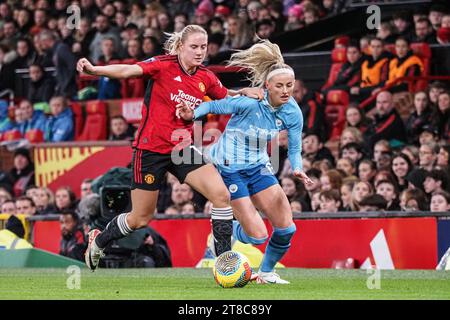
169,84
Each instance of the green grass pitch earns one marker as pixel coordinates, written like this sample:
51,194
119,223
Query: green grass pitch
198,284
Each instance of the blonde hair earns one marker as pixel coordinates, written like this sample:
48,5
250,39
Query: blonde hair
260,59
175,40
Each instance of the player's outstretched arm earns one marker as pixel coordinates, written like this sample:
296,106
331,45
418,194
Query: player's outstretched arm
255,93
118,71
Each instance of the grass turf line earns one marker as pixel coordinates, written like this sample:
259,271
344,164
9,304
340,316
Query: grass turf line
198,284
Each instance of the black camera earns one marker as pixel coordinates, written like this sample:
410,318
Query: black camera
115,199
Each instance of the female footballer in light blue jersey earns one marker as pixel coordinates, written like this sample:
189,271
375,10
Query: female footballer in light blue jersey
241,152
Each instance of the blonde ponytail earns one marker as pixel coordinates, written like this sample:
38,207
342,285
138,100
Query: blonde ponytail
260,59
172,44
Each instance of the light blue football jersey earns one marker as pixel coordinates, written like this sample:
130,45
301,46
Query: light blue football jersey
243,144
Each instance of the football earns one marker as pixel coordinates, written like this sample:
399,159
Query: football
232,270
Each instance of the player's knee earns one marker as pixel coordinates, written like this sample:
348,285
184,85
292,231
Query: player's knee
220,198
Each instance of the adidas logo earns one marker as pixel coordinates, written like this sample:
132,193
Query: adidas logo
177,79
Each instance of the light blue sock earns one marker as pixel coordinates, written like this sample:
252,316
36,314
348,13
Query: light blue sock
239,234
278,245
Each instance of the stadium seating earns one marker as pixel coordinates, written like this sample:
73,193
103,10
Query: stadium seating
77,110
34,135
336,104
338,57
96,121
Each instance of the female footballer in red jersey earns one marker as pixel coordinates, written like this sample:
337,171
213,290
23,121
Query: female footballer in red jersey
178,76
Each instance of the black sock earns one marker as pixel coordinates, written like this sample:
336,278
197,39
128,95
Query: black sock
117,228
222,227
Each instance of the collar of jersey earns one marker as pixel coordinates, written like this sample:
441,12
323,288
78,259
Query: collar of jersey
265,101
182,68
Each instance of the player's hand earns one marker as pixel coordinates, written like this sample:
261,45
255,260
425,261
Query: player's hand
300,174
255,93
84,66
184,111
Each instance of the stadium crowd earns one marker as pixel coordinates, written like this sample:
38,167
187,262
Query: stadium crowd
384,160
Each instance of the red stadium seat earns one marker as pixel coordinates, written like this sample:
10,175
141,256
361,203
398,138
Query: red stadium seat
338,57
423,51
77,110
96,121
337,103
12,135
34,135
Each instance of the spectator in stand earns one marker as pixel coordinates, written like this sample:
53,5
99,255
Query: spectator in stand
150,47
24,21
215,42
32,119
239,35
22,173
40,22
350,73
103,30
188,208
294,16
442,115
120,129
108,51
435,181
413,200
25,205
429,134
443,157
419,118
73,241
359,192
310,15
9,207
6,67
134,50
386,32
350,135
5,195
374,71
388,124
83,36
403,24
331,180
347,166
41,87
330,201
440,202
404,64
294,190
443,33
401,167
314,175
265,29
85,188
435,15
65,199
388,190
12,236
434,90
181,193
25,54
353,151
367,170
428,155
355,118
64,62
416,178
44,200
313,112
412,152
10,34
424,32
346,194
59,126
371,203
314,149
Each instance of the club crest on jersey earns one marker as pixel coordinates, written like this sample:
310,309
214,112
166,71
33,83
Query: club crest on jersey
279,123
202,87
149,178
233,188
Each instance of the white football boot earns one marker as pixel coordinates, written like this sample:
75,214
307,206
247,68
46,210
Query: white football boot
269,277
93,253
